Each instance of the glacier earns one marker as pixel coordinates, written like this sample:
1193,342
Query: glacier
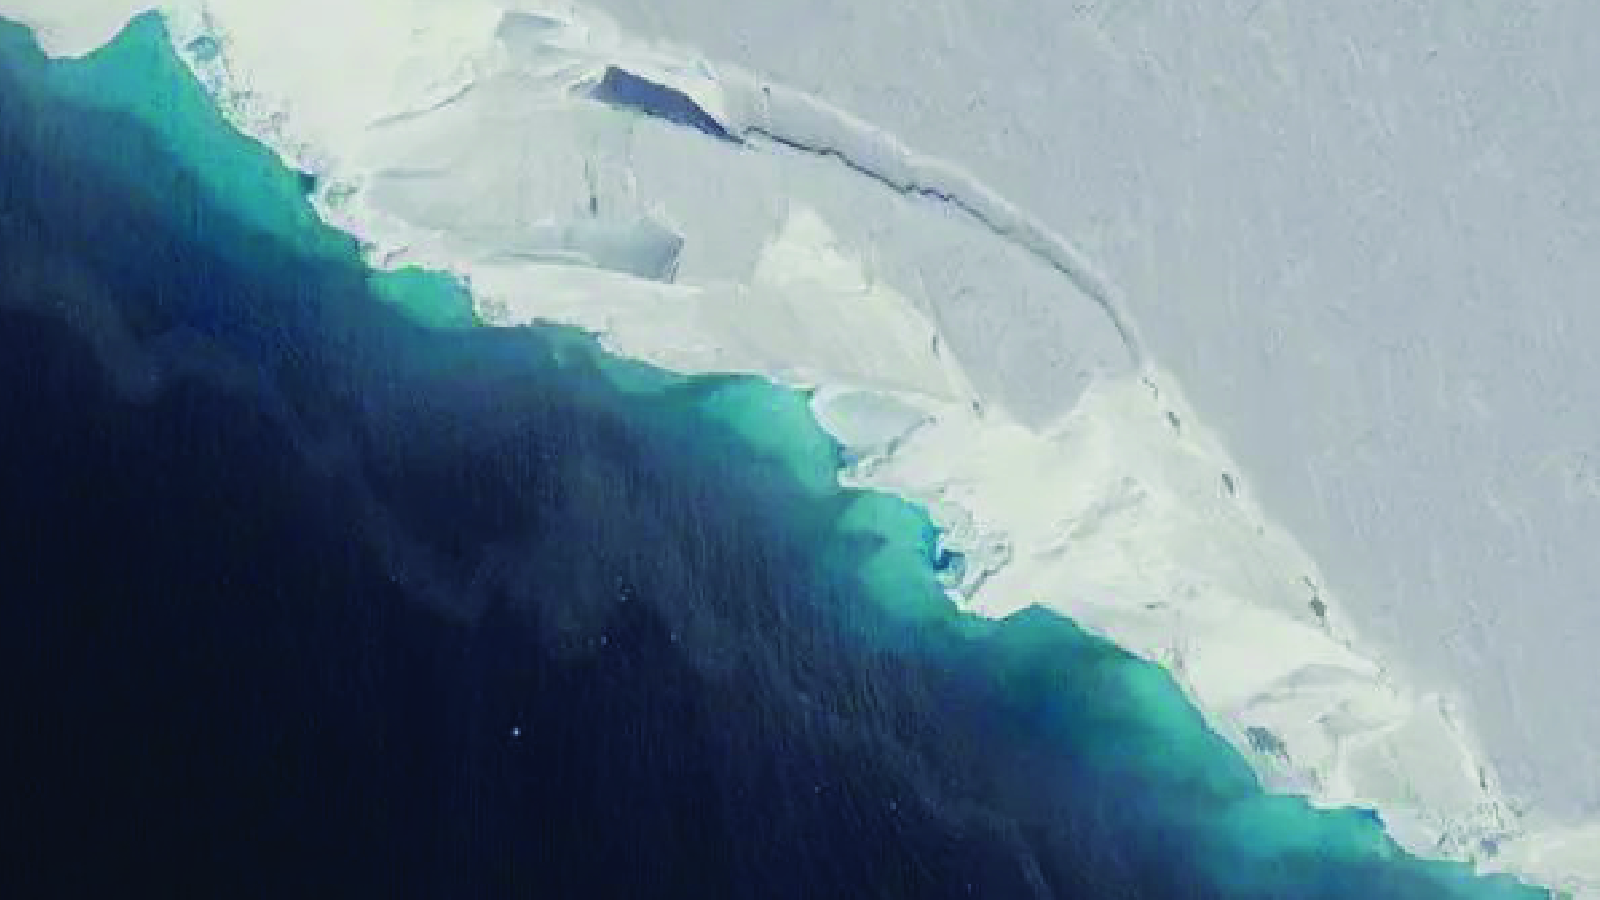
701,193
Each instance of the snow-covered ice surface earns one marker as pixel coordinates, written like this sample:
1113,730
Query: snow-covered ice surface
998,240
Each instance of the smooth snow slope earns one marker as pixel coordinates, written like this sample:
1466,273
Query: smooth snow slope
980,229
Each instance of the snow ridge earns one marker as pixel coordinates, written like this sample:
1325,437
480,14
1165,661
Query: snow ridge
798,121
762,113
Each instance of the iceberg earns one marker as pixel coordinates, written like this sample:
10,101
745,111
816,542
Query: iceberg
702,216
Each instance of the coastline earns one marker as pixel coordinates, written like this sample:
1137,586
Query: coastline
1154,542
1354,767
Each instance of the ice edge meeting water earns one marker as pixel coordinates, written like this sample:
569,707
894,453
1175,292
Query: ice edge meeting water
849,648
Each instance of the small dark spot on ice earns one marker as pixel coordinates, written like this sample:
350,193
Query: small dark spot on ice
1318,608
1172,419
1266,743
1227,484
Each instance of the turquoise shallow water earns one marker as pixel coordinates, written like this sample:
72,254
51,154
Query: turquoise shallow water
443,609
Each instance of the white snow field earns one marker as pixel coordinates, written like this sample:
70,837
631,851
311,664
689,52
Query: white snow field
1257,338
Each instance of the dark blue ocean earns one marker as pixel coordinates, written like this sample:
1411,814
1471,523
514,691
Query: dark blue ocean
313,588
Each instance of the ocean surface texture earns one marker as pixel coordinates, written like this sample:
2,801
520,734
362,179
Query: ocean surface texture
314,588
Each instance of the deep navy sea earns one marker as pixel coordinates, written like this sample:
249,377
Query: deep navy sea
314,588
